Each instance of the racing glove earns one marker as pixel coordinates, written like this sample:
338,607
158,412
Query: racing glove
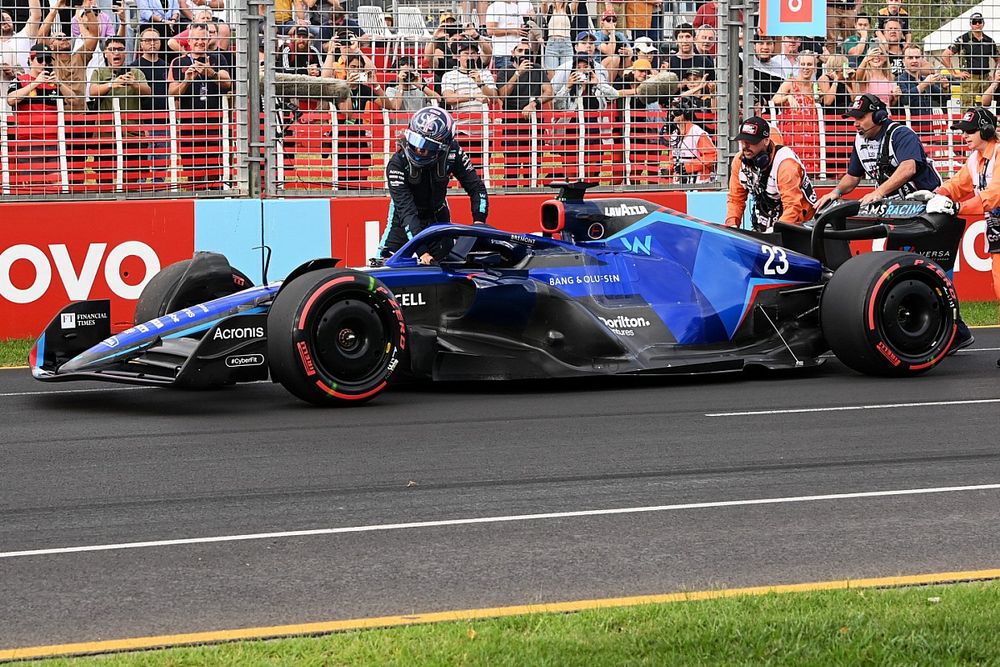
942,204
920,195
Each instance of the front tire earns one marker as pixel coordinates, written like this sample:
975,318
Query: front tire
334,337
889,313
180,286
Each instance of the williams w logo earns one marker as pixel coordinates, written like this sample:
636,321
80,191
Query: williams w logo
637,245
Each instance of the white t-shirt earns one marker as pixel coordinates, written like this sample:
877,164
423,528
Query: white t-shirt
462,84
13,54
507,16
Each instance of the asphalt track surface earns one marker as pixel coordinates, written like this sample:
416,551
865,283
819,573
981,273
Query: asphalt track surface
467,496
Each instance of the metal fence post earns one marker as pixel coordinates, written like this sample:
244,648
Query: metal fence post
269,163
256,150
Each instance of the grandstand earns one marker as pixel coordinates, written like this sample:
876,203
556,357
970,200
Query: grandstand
198,108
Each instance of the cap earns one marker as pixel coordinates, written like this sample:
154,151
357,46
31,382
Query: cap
694,73
585,34
976,17
975,119
608,13
644,45
445,16
642,63
864,104
39,50
301,30
754,130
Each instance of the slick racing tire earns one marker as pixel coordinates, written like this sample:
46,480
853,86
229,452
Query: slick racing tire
178,286
334,337
889,313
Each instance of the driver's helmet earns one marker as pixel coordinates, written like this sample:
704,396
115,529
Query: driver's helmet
428,136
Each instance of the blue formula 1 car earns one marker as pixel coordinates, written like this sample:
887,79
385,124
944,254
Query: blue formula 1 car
611,286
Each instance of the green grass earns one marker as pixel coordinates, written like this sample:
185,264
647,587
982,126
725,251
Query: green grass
980,313
939,625
14,351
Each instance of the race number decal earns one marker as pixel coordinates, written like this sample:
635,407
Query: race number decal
776,262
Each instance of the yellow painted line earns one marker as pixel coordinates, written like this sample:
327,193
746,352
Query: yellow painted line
278,631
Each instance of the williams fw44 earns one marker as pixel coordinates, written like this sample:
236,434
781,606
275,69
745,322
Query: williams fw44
609,286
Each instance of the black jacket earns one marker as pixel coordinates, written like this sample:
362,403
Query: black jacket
417,194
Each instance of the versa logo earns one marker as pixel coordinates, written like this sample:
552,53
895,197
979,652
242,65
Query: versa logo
637,245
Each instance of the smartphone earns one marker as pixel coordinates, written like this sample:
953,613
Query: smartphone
363,77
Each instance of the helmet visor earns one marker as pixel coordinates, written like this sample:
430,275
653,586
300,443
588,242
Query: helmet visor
422,146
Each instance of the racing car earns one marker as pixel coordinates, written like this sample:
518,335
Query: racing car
607,286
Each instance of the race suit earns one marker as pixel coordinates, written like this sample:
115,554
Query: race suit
419,197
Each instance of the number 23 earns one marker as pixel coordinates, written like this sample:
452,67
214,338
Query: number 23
776,262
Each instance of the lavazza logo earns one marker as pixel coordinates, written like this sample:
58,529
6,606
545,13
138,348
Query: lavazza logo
625,209
238,333
625,326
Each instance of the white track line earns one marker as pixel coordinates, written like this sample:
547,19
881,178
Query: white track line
493,519
845,408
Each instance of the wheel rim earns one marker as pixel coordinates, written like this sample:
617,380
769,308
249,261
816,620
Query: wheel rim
349,339
913,320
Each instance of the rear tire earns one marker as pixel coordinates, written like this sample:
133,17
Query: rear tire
334,337
176,288
889,313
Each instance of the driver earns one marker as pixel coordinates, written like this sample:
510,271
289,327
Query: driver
417,176
774,175
886,151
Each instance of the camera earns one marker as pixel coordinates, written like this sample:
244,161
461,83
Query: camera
452,29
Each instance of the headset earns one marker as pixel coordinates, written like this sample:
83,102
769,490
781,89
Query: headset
874,104
987,124
760,160
683,108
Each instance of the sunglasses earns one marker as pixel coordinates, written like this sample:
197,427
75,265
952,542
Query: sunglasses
611,19
978,22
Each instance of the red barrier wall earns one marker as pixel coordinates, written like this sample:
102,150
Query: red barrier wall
55,252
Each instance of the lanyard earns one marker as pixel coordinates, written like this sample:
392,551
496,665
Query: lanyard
982,175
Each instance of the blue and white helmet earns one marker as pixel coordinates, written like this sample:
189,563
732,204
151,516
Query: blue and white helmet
428,136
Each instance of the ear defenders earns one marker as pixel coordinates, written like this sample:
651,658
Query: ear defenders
880,113
987,124
758,161
683,109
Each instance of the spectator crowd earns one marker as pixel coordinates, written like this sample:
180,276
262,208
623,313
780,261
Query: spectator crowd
519,73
